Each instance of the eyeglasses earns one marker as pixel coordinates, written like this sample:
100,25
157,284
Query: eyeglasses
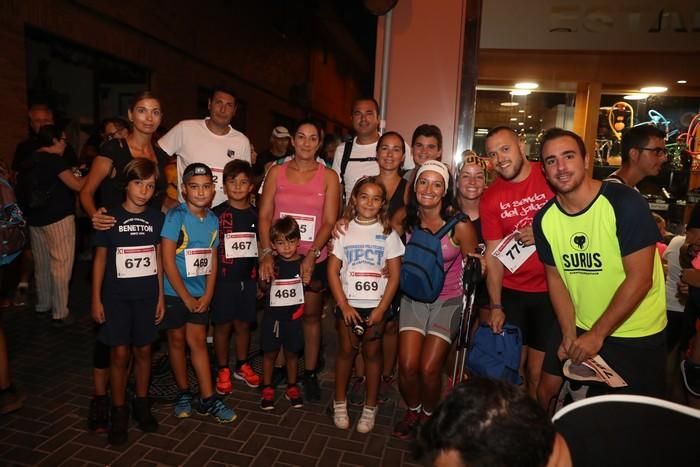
659,151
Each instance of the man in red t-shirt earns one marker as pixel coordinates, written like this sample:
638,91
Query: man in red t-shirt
516,278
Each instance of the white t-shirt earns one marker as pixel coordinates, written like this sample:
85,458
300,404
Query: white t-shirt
358,169
364,250
674,273
193,142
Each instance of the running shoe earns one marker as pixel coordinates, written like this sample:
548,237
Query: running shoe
366,423
223,382
293,395
267,401
246,374
356,392
340,415
183,406
217,409
406,428
98,417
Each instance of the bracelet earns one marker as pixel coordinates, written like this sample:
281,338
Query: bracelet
265,252
496,306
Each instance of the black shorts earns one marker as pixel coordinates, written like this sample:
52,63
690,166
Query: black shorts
392,313
364,313
319,278
177,314
279,330
234,300
129,322
640,361
532,312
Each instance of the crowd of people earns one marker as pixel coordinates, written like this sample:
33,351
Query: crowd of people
571,261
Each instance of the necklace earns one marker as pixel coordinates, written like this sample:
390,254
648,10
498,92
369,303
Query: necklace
368,222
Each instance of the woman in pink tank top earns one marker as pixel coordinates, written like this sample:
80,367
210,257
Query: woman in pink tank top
426,330
310,193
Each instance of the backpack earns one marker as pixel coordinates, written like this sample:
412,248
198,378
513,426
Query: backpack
13,227
422,271
496,356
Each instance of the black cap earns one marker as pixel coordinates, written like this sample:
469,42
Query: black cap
196,169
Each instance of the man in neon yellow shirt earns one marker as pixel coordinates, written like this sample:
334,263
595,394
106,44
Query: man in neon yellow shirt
598,243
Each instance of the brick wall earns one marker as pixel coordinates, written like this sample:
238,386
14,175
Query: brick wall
261,52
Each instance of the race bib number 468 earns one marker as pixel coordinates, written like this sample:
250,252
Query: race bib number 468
198,261
286,292
136,261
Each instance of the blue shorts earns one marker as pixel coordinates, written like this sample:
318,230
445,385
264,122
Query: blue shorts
177,314
234,301
129,322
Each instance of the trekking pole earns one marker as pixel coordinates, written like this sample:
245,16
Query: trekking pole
470,277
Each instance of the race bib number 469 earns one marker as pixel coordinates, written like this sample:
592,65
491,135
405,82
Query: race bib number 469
240,245
198,261
136,261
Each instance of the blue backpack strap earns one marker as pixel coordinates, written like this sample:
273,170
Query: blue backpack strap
459,217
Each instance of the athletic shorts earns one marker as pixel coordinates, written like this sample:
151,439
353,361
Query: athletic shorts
364,313
440,318
281,331
177,314
319,278
532,312
234,300
640,361
129,322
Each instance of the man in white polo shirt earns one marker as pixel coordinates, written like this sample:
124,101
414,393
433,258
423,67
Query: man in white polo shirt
211,141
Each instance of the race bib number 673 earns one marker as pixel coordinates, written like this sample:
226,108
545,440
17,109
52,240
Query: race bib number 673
136,261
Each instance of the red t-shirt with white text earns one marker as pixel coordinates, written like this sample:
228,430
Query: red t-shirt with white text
507,206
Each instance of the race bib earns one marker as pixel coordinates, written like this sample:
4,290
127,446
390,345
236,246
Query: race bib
307,225
240,245
198,262
512,253
365,285
286,292
136,261
218,179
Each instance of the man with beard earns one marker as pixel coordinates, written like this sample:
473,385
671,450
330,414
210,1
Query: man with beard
598,243
643,154
516,281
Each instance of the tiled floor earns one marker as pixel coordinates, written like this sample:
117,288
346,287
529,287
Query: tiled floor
52,366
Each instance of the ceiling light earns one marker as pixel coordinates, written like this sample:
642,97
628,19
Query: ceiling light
509,104
520,124
520,92
526,85
635,97
653,89
513,119
529,116
522,111
482,130
681,81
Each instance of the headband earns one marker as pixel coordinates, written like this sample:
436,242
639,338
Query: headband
434,166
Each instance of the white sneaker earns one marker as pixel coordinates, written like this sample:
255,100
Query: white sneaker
366,423
340,415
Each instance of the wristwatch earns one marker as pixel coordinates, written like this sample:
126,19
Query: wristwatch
316,252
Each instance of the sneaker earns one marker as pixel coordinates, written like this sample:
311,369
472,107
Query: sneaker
340,415
406,428
223,382
246,374
312,388
143,415
267,401
217,409
356,392
11,400
293,395
386,389
183,406
279,377
366,423
118,431
98,417
691,377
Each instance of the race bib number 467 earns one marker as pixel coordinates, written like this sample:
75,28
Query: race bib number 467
240,245
136,261
198,261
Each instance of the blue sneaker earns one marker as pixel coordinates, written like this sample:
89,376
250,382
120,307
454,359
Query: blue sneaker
183,406
217,409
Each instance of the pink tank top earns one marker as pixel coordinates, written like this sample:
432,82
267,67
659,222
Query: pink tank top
453,279
305,203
